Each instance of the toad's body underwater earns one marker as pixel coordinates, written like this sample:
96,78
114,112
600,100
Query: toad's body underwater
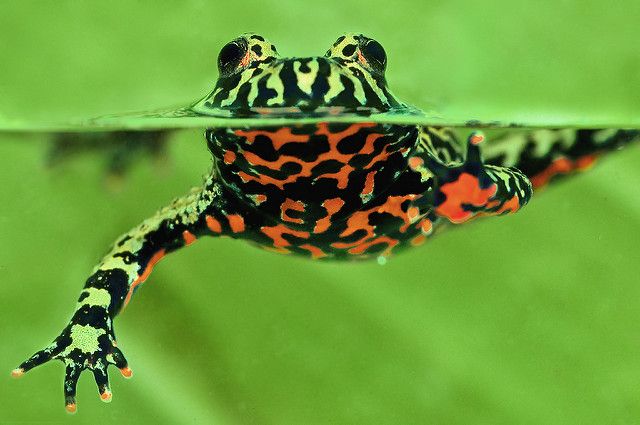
323,188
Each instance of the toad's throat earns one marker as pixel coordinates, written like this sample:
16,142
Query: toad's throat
312,163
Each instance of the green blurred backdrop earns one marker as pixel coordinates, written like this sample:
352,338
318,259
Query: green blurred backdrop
527,319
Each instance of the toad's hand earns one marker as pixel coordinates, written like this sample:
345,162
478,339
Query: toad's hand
87,342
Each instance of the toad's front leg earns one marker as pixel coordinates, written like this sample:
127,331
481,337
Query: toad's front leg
88,341
473,188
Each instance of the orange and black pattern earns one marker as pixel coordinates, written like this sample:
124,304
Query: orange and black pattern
325,190
350,190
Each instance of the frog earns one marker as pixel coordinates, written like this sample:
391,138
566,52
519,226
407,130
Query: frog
319,178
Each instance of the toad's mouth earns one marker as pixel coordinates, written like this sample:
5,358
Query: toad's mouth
290,111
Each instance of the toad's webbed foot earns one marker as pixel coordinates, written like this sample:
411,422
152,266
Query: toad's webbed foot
87,342
472,188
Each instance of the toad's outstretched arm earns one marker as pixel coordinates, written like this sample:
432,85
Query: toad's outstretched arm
543,155
88,341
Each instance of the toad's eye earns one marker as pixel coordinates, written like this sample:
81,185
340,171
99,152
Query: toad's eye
375,55
231,56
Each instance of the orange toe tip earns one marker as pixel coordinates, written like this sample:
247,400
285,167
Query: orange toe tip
126,372
476,139
17,373
71,408
106,396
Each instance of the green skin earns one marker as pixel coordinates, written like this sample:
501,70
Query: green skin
358,204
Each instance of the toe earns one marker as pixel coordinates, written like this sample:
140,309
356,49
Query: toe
36,360
72,373
102,380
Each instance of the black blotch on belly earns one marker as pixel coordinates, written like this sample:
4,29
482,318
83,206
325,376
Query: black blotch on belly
327,167
295,214
306,151
352,144
282,173
291,168
355,236
359,161
377,248
338,127
263,147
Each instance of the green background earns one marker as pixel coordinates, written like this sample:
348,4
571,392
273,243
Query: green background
525,319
